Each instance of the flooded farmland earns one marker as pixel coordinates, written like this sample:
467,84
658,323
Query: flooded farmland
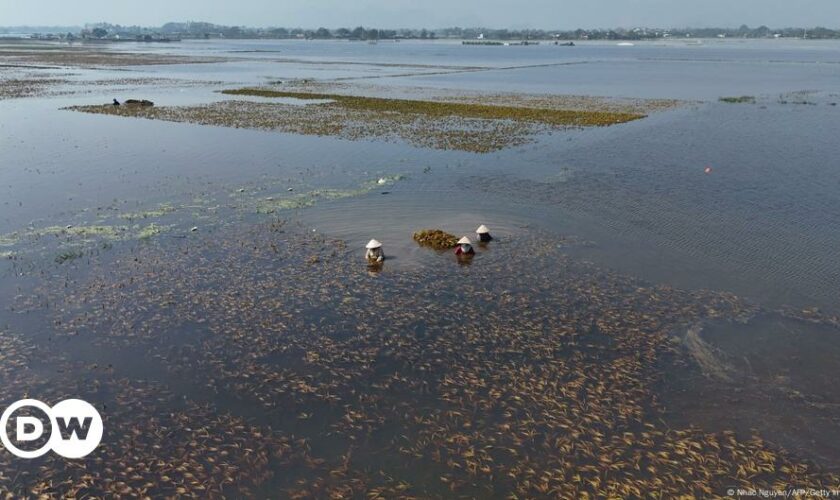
657,313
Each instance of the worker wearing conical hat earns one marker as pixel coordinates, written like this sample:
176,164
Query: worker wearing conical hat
483,234
464,247
374,253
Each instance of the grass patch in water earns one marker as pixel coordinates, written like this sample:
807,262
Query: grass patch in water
436,109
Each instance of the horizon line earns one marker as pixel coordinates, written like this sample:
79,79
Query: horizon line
264,27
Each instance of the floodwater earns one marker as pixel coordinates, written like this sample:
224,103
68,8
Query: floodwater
629,207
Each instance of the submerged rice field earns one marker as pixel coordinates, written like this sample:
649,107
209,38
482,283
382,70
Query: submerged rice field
542,383
638,326
479,128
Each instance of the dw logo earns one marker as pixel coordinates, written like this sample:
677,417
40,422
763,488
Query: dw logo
71,428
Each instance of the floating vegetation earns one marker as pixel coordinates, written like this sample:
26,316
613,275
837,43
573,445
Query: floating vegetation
69,255
436,238
83,234
160,211
8,239
463,126
272,204
744,99
48,240
150,231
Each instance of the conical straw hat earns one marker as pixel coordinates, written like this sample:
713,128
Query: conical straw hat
482,229
464,241
373,244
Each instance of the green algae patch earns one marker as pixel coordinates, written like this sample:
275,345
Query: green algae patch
82,232
436,238
7,240
64,236
437,109
160,211
271,205
150,231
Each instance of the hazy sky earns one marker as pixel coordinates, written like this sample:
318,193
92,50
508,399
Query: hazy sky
429,13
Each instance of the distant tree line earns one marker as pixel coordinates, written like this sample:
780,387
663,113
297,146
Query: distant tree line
209,30
638,33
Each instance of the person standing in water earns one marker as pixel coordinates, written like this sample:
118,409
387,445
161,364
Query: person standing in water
483,234
374,254
464,248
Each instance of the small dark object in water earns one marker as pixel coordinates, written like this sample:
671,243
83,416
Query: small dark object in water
567,44
744,99
116,102
138,102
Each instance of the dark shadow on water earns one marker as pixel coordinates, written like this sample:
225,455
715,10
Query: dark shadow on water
773,374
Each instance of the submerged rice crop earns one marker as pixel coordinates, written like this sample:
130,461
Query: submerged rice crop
85,56
284,381
31,86
435,109
478,128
